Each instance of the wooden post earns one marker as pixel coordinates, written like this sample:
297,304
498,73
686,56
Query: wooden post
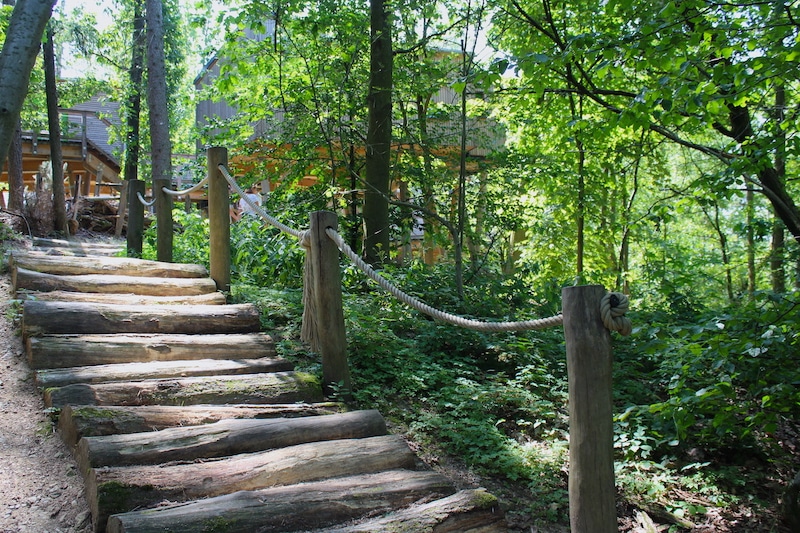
219,219
591,434
164,229
123,207
135,229
327,292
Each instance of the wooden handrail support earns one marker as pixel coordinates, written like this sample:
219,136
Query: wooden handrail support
135,232
327,293
592,491
219,219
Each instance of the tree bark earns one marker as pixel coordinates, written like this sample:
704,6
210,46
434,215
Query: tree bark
134,103
23,38
37,281
65,351
276,387
76,422
40,318
122,489
224,438
308,506
16,183
54,127
379,136
161,145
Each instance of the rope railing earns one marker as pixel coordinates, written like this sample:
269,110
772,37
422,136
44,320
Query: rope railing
145,202
613,306
184,192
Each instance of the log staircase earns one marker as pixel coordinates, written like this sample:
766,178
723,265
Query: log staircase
183,419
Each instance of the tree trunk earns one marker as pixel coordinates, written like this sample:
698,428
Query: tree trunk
16,183
224,438
751,243
54,127
23,38
119,490
134,104
70,350
275,387
40,318
76,422
301,507
778,244
379,137
159,128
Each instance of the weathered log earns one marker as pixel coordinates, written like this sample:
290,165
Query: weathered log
22,278
223,438
79,247
63,351
275,387
60,377
40,318
211,298
75,422
122,489
294,508
467,511
122,266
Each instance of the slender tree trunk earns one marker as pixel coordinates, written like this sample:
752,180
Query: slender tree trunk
379,136
751,243
461,204
54,125
16,183
134,104
159,127
23,38
778,243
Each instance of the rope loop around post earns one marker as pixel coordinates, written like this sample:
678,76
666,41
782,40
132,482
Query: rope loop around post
145,202
613,307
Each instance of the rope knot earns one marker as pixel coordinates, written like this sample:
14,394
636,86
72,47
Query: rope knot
305,239
613,307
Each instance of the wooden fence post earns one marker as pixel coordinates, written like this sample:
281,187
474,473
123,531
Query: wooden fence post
164,229
592,507
327,293
123,207
219,219
135,229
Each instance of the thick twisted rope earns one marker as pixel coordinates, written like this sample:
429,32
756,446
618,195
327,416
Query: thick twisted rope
613,307
184,192
422,307
257,208
145,202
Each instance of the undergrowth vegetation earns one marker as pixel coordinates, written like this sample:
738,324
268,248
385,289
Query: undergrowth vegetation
706,400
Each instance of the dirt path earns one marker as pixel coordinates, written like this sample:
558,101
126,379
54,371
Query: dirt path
40,489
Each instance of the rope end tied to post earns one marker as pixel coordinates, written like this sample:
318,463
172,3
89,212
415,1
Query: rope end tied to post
613,307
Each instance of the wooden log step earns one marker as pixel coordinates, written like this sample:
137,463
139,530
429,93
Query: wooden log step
274,387
79,247
125,266
122,489
224,438
79,421
22,278
59,377
300,507
63,351
211,298
467,511
40,318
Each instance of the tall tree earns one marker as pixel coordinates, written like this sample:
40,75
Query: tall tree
161,146
54,127
134,100
379,135
23,38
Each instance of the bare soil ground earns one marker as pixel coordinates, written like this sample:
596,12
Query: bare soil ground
41,490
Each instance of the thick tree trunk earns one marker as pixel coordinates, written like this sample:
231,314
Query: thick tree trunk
76,422
379,136
23,38
122,266
467,511
41,318
302,507
54,127
159,127
60,377
65,351
119,490
224,438
276,387
16,184
22,278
